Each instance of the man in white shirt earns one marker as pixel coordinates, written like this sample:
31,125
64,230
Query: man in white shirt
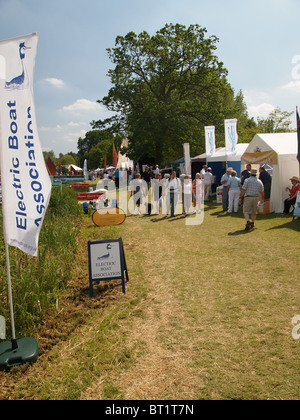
203,170
156,170
224,182
252,191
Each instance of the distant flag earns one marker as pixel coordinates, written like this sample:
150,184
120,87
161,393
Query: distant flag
85,171
210,141
298,132
231,136
114,157
105,162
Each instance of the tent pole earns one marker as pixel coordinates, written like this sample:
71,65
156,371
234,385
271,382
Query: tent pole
14,340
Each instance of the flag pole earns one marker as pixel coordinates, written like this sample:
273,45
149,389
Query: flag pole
298,134
11,306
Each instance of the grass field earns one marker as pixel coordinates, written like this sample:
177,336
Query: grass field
207,314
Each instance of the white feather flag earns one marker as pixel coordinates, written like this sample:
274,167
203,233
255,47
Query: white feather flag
26,186
231,136
210,141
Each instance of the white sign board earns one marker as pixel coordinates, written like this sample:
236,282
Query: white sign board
106,262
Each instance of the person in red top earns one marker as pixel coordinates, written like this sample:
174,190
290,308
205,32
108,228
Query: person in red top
293,195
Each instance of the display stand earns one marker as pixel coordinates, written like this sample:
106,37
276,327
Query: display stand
18,352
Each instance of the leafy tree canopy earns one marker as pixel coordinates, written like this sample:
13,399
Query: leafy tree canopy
50,154
277,122
166,88
67,160
100,140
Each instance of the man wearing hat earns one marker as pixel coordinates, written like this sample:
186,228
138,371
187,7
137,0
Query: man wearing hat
293,195
224,181
252,191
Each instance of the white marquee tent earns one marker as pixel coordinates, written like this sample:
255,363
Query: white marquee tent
222,156
220,159
279,150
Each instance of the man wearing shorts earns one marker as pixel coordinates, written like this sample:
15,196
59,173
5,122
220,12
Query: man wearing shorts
252,191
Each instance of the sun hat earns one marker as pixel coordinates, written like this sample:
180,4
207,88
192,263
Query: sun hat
253,172
295,178
229,170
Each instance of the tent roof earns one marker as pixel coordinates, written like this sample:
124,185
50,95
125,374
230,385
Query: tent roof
177,162
76,168
202,157
281,143
199,157
222,156
265,148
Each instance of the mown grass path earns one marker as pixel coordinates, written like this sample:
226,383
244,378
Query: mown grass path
207,315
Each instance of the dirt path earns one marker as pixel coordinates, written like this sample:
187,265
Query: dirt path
162,371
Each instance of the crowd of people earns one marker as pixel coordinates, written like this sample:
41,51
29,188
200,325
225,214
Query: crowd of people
170,194
252,191
182,195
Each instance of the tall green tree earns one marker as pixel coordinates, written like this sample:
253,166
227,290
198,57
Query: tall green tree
50,154
165,89
67,160
99,139
97,154
277,121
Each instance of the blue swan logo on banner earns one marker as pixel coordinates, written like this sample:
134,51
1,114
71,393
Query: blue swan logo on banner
232,137
210,143
21,81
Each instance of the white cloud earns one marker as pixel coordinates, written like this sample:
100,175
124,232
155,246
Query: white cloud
75,124
55,82
261,110
43,128
293,86
259,103
83,105
73,137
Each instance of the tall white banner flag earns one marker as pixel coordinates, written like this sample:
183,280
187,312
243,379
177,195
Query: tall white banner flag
187,158
231,136
210,140
85,171
26,186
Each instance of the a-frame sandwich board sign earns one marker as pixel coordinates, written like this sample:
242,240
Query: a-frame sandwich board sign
107,262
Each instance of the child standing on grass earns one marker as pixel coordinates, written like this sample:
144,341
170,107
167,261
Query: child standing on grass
198,192
187,194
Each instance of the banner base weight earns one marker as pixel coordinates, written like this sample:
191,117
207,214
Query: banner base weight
18,352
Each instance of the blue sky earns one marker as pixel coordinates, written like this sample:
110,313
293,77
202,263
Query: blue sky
259,45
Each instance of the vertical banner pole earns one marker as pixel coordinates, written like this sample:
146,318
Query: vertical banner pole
11,306
187,158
